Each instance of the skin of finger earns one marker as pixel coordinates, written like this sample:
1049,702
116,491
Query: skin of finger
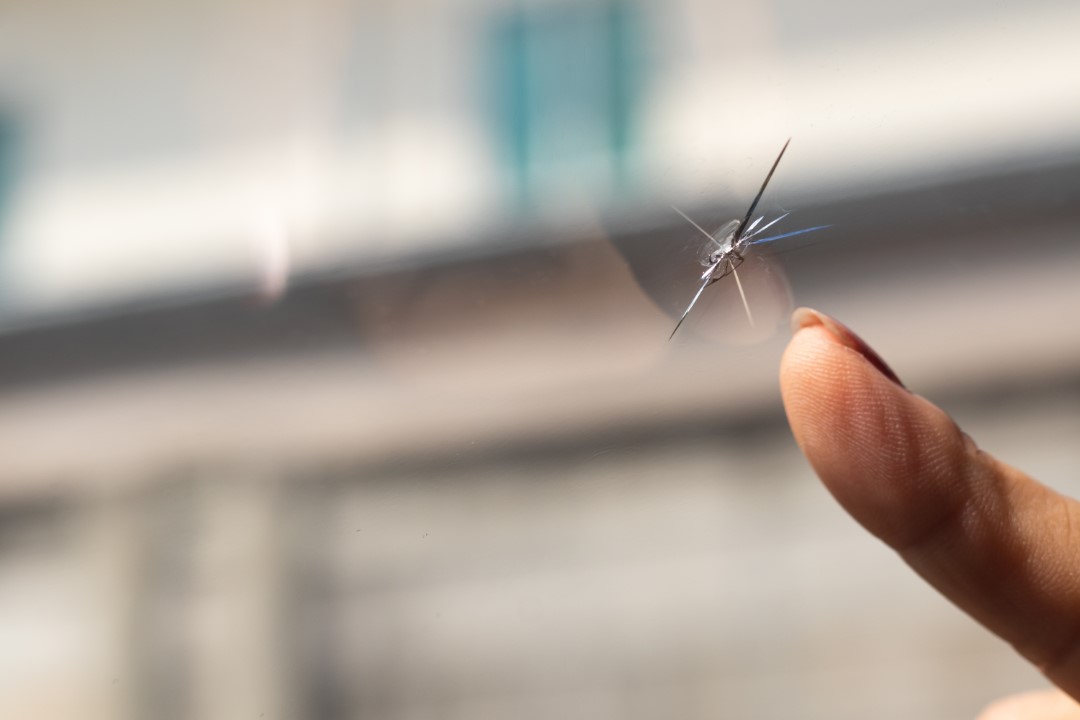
1037,705
995,542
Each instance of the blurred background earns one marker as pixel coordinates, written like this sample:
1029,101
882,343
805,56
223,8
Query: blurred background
326,392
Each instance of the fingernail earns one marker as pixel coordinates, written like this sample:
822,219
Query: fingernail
805,317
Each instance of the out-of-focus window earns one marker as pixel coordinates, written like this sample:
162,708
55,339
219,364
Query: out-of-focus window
8,151
567,87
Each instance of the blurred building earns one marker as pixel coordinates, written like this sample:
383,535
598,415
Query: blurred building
325,391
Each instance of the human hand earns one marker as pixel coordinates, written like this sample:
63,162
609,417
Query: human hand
998,544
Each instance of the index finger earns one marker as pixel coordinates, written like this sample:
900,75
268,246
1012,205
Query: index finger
997,543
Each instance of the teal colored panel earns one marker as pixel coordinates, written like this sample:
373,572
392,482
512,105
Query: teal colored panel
567,80
9,147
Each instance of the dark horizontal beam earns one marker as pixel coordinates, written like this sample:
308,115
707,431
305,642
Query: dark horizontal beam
887,233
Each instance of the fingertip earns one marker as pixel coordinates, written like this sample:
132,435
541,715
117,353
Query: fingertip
804,318
996,542
870,441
